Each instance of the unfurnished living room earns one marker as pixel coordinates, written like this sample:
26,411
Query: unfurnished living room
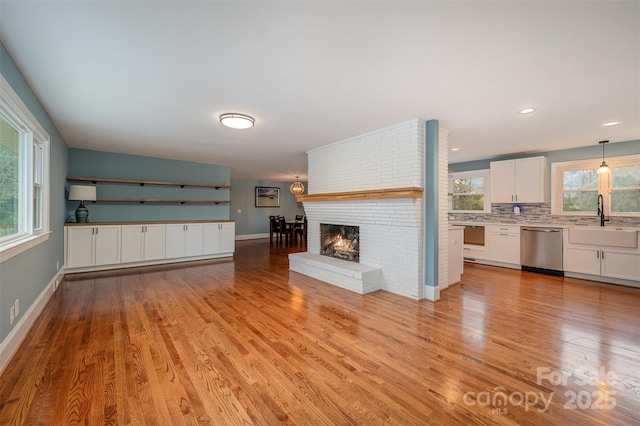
319,212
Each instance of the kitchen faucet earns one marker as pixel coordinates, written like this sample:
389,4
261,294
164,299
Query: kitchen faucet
601,210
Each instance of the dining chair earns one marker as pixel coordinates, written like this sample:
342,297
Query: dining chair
274,227
300,229
284,228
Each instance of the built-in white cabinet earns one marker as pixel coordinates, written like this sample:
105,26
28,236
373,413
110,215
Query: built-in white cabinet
142,242
522,180
129,244
183,240
92,246
606,261
504,243
456,263
603,261
219,238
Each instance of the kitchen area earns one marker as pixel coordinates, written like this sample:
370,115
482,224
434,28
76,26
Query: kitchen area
532,223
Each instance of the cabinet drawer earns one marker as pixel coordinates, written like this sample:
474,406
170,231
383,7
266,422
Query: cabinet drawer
474,252
505,229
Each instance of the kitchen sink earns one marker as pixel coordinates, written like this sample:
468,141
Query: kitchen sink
600,236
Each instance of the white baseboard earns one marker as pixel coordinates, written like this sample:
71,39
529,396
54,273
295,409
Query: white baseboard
9,346
251,236
432,293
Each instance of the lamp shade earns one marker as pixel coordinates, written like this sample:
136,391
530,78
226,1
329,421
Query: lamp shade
82,193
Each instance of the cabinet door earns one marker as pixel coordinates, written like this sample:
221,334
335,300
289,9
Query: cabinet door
211,238
502,181
132,243
227,237
455,256
582,260
153,242
620,265
505,248
193,240
79,246
174,240
530,180
107,245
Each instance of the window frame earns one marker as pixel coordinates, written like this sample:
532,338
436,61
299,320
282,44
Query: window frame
471,174
34,136
603,187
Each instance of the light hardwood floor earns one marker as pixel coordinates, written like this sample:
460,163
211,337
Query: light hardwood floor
248,342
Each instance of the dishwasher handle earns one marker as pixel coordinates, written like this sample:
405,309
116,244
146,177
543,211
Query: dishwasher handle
540,230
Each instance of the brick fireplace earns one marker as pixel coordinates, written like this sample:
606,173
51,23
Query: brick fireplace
373,182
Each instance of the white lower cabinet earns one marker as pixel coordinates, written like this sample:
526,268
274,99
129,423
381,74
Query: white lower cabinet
601,260
92,246
183,240
142,242
504,244
219,238
456,264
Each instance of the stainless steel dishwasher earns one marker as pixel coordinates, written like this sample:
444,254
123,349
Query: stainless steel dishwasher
541,250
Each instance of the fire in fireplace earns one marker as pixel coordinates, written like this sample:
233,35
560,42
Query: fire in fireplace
340,241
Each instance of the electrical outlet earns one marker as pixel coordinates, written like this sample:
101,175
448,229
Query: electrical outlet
58,266
13,314
17,306
55,286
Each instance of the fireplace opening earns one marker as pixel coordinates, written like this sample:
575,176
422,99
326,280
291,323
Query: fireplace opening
340,241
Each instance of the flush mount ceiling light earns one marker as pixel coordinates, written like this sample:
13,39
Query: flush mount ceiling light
604,168
610,123
296,187
455,149
527,110
237,121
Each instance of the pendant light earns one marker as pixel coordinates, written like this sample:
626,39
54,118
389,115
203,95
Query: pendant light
296,187
604,168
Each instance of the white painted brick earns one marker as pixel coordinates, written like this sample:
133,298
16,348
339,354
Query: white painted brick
391,231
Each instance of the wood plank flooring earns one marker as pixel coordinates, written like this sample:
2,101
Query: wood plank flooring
248,342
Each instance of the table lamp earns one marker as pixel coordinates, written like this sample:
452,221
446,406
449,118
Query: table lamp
82,193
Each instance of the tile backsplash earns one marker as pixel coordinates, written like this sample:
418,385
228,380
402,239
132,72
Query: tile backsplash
540,214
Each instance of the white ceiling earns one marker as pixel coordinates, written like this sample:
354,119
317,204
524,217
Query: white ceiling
152,77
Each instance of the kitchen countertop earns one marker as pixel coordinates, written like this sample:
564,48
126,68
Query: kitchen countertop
543,225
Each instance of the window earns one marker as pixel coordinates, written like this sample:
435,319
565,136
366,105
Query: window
24,175
576,186
625,189
468,191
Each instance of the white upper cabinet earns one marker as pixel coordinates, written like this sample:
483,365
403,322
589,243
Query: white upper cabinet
522,180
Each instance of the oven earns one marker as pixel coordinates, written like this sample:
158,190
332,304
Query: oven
474,243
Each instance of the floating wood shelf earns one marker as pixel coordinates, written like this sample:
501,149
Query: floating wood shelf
153,200
371,194
146,182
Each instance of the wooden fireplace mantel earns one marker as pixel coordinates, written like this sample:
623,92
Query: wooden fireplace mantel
370,194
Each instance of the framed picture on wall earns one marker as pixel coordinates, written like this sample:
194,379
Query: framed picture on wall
267,196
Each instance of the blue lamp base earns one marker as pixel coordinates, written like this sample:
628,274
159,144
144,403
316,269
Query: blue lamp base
82,214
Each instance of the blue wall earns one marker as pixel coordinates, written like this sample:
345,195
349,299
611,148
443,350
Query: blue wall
87,163
431,204
255,220
26,275
582,153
